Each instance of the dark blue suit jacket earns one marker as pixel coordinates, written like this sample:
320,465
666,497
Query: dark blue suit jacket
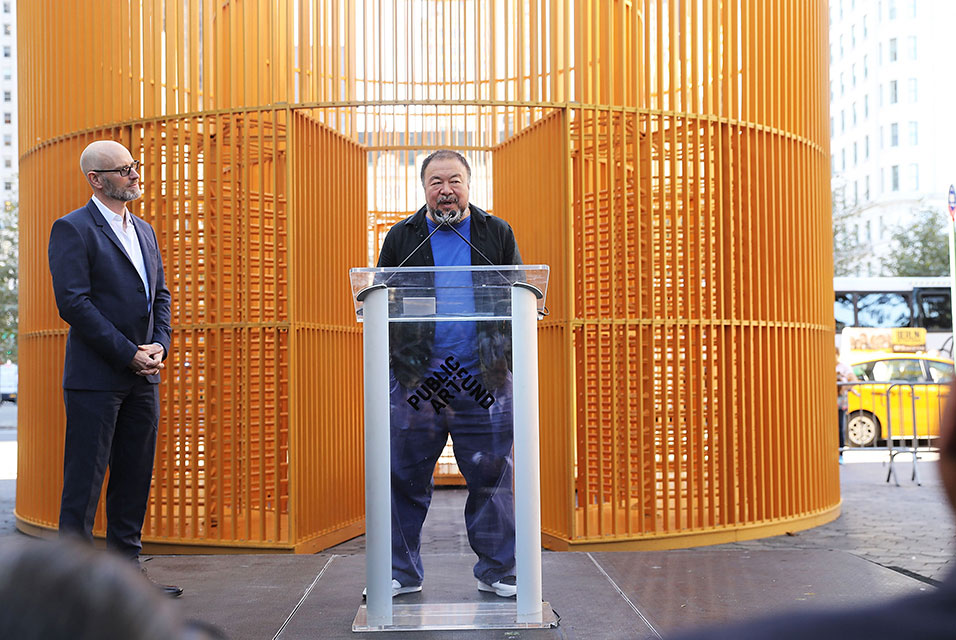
100,295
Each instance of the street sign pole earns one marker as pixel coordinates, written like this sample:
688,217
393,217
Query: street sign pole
952,262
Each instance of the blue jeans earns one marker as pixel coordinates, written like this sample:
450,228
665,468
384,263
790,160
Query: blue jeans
481,426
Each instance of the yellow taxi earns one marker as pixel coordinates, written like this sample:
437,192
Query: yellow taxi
904,394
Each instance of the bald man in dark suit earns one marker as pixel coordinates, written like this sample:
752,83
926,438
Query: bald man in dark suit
110,288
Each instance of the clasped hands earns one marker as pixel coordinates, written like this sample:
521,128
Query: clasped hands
148,359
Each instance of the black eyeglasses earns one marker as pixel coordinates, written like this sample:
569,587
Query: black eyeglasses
123,171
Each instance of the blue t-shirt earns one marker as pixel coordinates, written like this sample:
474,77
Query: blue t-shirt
454,293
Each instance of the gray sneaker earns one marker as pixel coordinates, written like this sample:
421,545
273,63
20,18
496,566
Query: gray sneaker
506,587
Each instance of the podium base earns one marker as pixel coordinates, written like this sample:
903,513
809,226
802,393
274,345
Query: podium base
455,616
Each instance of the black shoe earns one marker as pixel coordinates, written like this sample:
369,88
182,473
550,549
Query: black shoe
167,589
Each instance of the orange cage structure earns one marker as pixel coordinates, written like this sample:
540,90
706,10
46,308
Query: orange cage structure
668,160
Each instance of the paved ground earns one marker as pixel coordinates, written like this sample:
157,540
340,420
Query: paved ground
877,550
889,540
907,528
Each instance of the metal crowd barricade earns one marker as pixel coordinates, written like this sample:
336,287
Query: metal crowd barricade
902,415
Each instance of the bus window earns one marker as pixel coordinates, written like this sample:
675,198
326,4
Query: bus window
892,302
883,310
934,311
843,310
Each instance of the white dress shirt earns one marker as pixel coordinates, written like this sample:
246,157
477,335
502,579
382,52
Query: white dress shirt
128,239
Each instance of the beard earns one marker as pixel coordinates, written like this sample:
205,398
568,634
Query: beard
123,195
451,217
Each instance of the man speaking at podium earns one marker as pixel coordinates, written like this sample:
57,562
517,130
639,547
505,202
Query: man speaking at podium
449,231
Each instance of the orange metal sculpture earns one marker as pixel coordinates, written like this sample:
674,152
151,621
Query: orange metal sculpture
669,161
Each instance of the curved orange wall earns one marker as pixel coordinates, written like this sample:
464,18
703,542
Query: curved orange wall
671,167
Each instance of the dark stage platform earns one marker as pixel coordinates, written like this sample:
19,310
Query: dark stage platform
597,595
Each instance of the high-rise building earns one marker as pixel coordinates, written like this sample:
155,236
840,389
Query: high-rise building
892,127
8,104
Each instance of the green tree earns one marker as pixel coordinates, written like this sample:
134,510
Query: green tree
921,247
9,251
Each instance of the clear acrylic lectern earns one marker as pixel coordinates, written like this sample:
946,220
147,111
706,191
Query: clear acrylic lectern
452,350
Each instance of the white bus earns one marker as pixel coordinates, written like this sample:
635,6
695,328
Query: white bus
887,303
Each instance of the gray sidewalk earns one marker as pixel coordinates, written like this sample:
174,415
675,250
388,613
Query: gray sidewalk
908,528
888,541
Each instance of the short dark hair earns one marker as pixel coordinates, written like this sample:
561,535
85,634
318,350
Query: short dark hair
98,595
445,154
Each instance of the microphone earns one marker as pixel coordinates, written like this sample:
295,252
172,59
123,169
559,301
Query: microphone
443,218
446,218
449,218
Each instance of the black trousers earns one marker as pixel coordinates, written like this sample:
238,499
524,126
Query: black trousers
115,429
